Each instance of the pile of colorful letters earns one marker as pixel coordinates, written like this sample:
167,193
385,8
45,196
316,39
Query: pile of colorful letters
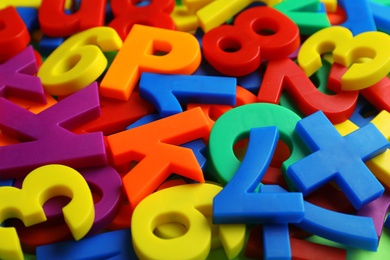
194,129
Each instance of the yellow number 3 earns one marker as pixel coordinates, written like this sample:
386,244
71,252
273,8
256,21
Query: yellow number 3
26,204
186,205
370,47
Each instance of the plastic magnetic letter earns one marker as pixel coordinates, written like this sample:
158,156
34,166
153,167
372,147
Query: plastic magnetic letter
239,203
276,241
381,19
155,13
78,61
116,115
258,33
330,151
102,246
172,90
55,22
45,138
359,16
14,35
182,56
286,74
379,165
347,50
197,146
154,146
350,230
306,14
17,77
26,204
377,210
188,205
236,124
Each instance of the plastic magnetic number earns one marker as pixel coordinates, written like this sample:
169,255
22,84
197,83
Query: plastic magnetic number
308,15
127,13
14,35
55,22
238,203
78,61
188,205
212,111
258,33
377,94
346,51
286,74
26,204
236,124
103,180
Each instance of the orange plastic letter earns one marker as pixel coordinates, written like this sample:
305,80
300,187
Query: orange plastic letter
154,146
140,53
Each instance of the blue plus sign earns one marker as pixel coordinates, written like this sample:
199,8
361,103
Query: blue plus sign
338,158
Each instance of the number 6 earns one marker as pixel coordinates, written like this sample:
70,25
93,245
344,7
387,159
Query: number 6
186,205
78,61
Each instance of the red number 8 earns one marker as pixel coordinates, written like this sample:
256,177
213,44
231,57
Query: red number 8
235,50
